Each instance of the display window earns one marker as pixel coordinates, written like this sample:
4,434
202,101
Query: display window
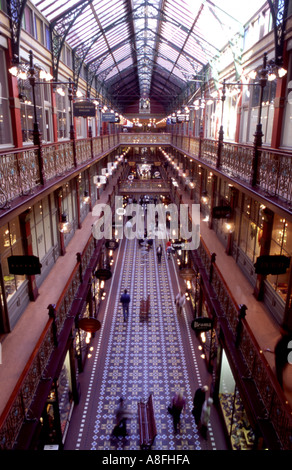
251,228
57,413
281,244
234,414
63,112
5,123
43,227
11,244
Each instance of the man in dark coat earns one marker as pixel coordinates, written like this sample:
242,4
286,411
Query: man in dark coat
125,299
199,398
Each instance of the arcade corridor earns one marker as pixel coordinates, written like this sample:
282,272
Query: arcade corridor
157,355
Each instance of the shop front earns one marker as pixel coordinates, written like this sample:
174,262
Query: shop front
56,415
235,418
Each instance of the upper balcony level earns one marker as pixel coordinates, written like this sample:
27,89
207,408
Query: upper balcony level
28,171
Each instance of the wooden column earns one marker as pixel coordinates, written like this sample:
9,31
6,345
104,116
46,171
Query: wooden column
14,103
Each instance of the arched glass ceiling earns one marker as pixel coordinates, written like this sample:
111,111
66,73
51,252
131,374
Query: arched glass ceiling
146,48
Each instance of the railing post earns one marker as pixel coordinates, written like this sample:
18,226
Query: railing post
259,134
213,259
72,129
52,314
79,260
239,327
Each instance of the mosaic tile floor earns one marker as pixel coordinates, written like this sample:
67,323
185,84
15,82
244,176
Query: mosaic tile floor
141,357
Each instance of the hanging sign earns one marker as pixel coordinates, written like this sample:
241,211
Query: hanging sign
84,109
108,117
202,324
103,274
111,244
90,325
272,264
221,212
21,265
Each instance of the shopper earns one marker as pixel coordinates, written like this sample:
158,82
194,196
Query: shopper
199,398
205,416
125,299
178,404
122,415
180,301
159,253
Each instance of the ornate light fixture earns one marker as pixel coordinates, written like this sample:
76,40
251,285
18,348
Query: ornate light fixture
86,197
64,225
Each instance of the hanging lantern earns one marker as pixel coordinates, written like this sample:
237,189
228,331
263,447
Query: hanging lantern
64,226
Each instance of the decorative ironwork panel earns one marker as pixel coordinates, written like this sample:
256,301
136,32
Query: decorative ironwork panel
96,146
12,425
83,150
209,151
145,139
194,147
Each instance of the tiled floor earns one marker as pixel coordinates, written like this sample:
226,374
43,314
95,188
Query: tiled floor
136,358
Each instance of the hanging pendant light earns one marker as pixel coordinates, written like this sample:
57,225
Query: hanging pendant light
64,226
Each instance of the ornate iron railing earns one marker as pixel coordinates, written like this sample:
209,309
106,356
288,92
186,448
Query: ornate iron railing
276,407
17,408
236,161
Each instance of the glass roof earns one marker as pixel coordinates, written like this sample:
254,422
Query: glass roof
146,48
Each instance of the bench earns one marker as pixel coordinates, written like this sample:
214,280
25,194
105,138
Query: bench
147,425
144,308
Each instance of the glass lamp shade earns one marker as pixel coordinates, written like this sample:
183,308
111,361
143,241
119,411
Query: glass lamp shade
64,226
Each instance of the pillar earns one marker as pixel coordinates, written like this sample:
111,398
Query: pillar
14,103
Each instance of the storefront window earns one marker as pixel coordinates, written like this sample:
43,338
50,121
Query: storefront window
281,244
267,111
11,244
41,225
235,417
251,228
62,114
5,124
287,134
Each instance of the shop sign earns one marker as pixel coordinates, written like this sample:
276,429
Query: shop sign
178,245
84,109
108,117
21,265
103,274
90,325
111,244
221,212
202,324
272,264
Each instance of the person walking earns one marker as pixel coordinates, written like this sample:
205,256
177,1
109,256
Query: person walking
168,249
122,415
159,253
178,404
180,301
125,299
205,416
199,399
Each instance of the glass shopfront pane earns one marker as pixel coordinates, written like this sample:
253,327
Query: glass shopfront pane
281,244
5,124
287,126
11,244
40,240
237,424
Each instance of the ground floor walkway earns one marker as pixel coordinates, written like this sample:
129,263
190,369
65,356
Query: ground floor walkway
157,354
